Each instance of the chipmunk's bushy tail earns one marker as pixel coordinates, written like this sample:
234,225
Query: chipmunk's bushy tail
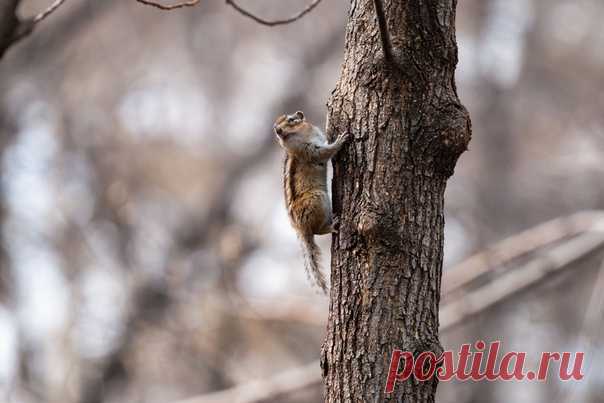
312,256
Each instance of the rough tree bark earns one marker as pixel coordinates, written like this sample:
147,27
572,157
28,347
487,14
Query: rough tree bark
409,129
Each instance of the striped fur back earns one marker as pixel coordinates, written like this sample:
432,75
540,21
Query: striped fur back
289,182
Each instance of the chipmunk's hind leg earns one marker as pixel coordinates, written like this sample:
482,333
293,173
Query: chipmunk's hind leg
327,224
332,226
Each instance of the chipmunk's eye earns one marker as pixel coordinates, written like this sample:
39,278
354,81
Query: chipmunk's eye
291,120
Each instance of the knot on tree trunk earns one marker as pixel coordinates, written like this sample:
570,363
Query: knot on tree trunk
381,225
452,131
430,345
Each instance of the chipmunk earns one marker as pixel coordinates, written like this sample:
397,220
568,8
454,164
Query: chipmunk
305,184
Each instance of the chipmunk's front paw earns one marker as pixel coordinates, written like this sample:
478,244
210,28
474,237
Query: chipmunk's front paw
335,225
342,138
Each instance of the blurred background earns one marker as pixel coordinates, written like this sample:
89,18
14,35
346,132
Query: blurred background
146,254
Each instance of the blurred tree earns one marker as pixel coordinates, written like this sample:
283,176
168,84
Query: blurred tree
409,129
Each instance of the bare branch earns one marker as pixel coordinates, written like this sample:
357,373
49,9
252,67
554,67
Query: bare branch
13,29
288,309
189,3
533,273
384,33
51,9
273,23
520,245
272,388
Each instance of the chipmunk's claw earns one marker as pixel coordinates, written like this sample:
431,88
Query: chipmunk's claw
335,225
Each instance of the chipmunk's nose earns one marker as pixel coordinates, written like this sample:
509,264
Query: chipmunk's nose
278,130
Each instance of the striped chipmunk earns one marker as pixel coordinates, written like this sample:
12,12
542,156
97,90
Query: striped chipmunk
305,184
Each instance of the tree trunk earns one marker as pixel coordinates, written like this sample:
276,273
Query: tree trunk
409,129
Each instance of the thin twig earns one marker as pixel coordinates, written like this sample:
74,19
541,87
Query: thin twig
273,23
53,7
384,33
189,3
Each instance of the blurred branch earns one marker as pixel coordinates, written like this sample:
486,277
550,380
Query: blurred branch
289,309
273,23
13,29
519,245
189,3
271,388
513,281
39,48
51,9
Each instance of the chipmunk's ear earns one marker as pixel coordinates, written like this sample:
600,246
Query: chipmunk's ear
300,115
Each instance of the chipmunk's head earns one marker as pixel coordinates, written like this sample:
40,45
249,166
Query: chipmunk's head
287,125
